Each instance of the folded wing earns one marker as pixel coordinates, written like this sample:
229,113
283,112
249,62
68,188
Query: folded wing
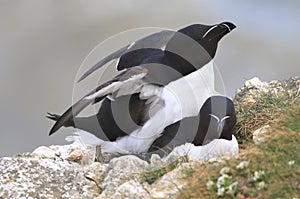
126,83
147,46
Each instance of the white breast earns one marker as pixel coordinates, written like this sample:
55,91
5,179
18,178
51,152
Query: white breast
215,149
185,96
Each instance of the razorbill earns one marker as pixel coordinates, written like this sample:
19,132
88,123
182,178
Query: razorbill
194,43
216,120
174,80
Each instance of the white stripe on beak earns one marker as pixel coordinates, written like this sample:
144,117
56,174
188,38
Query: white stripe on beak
220,122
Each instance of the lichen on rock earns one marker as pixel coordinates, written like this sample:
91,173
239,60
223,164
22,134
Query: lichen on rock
44,178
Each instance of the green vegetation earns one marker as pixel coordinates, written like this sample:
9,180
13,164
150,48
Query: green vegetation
269,169
266,109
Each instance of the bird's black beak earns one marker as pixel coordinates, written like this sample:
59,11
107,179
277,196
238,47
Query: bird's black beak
221,30
228,25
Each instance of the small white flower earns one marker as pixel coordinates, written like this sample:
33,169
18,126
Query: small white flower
242,165
258,175
292,162
221,191
222,180
261,185
210,184
225,170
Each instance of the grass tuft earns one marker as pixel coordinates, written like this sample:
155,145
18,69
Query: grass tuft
256,108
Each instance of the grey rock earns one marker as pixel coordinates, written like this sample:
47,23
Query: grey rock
45,178
129,189
44,152
75,152
170,184
121,170
254,88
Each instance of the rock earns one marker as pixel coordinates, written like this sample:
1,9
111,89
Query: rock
48,173
44,152
122,169
95,172
251,90
254,88
255,83
44,178
169,185
260,134
156,160
129,189
75,155
76,152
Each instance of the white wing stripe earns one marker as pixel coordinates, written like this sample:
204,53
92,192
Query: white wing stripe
135,80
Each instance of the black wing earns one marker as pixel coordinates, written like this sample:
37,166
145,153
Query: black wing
127,82
156,41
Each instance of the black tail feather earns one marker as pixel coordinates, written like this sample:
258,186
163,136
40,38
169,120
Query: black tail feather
51,116
55,117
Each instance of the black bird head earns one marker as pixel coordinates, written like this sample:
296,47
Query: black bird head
208,36
217,120
210,33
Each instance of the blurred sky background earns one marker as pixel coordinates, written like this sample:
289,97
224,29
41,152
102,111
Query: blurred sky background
43,43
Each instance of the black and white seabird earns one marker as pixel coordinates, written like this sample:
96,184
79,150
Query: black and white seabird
166,77
206,136
216,120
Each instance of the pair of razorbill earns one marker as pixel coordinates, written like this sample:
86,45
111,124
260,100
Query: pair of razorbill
163,97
